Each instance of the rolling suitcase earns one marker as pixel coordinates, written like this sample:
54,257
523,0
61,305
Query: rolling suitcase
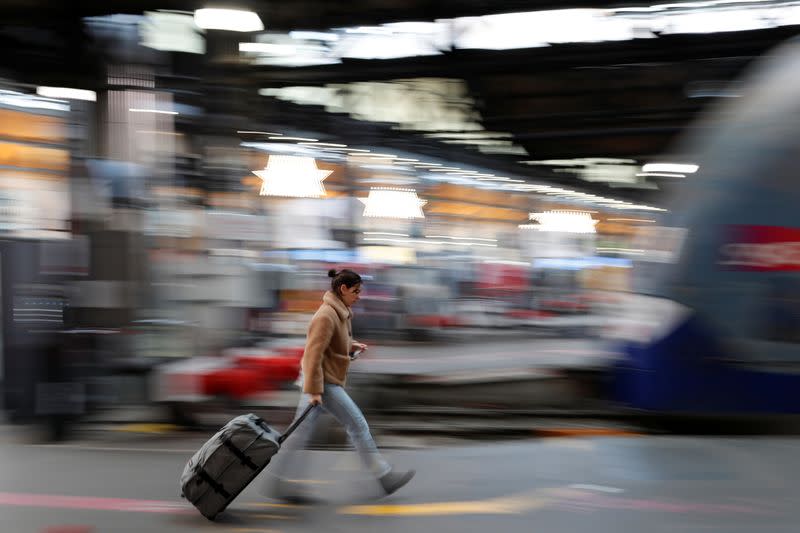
230,460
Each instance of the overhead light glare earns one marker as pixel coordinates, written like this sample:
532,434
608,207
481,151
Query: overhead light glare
301,139
459,238
67,93
393,203
156,111
292,176
679,168
659,175
228,20
268,48
565,221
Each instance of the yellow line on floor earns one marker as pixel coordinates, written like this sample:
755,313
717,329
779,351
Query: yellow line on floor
504,505
428,509
270,516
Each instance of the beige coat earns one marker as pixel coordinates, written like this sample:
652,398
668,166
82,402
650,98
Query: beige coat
327,355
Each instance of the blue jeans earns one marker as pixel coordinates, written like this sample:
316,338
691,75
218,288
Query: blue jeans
338,403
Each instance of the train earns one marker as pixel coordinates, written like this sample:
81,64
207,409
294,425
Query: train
714,325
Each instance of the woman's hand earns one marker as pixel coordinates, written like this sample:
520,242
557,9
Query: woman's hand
359,346
316,399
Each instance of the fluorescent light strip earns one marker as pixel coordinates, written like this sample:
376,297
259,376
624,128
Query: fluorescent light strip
462,243
663,7
282,138
398,241
380,167
67,93
680,168
251,132
289,148
660,175
332,145
470,135
385,233
394,189
462,238
156,111
627,251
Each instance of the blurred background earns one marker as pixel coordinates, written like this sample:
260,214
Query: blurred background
573,219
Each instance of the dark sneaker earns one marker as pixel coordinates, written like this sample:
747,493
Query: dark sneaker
393,480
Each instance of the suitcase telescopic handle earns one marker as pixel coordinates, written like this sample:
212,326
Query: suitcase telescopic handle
296,423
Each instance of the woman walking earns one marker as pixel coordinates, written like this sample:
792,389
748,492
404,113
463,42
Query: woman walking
325,363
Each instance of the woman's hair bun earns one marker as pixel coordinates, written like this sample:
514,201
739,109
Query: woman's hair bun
331,273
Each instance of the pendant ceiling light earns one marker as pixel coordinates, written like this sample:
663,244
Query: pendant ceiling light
292,176
393,203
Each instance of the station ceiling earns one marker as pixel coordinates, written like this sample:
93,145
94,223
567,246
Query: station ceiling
600,104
